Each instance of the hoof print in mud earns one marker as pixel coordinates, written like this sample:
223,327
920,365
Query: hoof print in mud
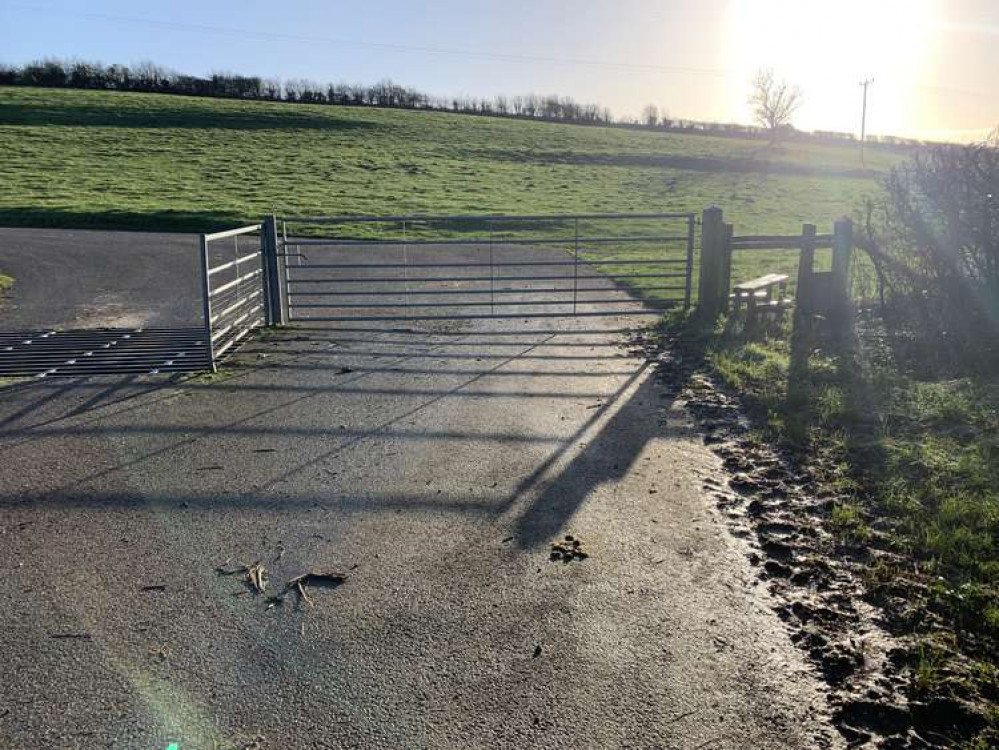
777,550
819,593
777,570
839,662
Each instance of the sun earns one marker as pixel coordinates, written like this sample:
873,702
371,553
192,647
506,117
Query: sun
827,47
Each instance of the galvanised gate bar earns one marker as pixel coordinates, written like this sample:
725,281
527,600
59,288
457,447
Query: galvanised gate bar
369,268
234,287
372,268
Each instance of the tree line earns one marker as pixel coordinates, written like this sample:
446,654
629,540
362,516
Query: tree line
149,77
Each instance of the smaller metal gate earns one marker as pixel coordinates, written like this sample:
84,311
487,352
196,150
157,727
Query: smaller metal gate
366,268
234,287
233,292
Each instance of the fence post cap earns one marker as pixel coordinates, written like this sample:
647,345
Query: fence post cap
712,215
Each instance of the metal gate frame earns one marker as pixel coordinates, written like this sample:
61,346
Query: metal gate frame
283,259
233,300
239,304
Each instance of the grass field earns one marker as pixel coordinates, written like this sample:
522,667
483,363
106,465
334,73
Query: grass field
143,161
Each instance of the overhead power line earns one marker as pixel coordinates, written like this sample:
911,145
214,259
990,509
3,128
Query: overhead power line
425,50
408,48
863,117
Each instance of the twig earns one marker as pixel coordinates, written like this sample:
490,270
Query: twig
301,593
681,716
257,575
706,743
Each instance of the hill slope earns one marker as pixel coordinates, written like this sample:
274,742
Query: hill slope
107,159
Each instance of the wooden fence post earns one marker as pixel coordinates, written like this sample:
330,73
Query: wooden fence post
803,308
803,301
710,294
842,250
725,276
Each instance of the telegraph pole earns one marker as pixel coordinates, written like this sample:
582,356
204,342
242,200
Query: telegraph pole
863,118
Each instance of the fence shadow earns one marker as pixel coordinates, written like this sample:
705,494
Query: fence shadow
671,161
551,494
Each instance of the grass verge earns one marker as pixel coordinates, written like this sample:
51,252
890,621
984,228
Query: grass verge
914,463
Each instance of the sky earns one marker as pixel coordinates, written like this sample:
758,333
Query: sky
934,63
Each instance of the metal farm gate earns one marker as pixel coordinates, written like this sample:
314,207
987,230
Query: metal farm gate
374,268
370,268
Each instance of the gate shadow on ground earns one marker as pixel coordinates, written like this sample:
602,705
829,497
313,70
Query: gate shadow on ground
607,457
40,399
551,496
34,394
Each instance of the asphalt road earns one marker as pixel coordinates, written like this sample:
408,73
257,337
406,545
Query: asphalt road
432,465
88,279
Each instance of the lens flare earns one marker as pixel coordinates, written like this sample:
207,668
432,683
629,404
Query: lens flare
827,49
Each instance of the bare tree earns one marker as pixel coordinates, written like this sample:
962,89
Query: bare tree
774,102
650,115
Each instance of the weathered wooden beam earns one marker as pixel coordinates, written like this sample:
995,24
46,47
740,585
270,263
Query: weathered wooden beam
710,295
806,267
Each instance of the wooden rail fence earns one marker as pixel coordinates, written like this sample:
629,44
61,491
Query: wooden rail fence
824,292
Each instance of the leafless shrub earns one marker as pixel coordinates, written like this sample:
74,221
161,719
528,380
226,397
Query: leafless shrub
933,241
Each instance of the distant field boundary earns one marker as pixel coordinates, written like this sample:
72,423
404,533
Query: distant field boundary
151,78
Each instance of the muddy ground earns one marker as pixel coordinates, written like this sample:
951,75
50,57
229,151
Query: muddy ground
861,640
